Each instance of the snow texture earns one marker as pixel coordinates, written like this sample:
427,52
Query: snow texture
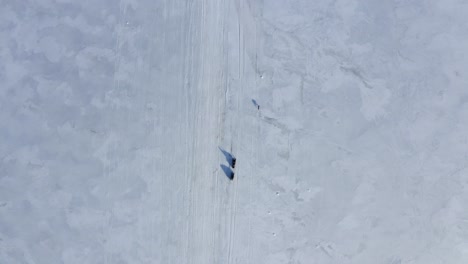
348,120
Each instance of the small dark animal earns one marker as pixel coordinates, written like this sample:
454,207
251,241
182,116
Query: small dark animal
231,176
233,163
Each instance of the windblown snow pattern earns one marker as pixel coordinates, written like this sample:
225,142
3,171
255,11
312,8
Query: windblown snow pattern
348,120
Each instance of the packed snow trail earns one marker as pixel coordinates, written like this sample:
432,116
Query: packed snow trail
204,79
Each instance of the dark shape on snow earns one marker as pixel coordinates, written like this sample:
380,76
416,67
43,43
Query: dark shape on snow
231,160
256,104
229,173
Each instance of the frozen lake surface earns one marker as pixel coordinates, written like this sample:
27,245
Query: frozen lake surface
348,120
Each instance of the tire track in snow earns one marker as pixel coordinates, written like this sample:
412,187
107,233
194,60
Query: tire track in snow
188,147
238,128
188,72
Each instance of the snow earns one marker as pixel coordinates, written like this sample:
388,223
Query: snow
115,116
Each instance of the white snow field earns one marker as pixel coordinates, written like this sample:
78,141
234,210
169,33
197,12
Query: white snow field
115,115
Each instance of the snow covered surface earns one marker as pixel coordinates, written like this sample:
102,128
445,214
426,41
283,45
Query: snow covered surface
115,115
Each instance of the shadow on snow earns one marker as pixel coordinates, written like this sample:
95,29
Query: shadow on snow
228,156
227,170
